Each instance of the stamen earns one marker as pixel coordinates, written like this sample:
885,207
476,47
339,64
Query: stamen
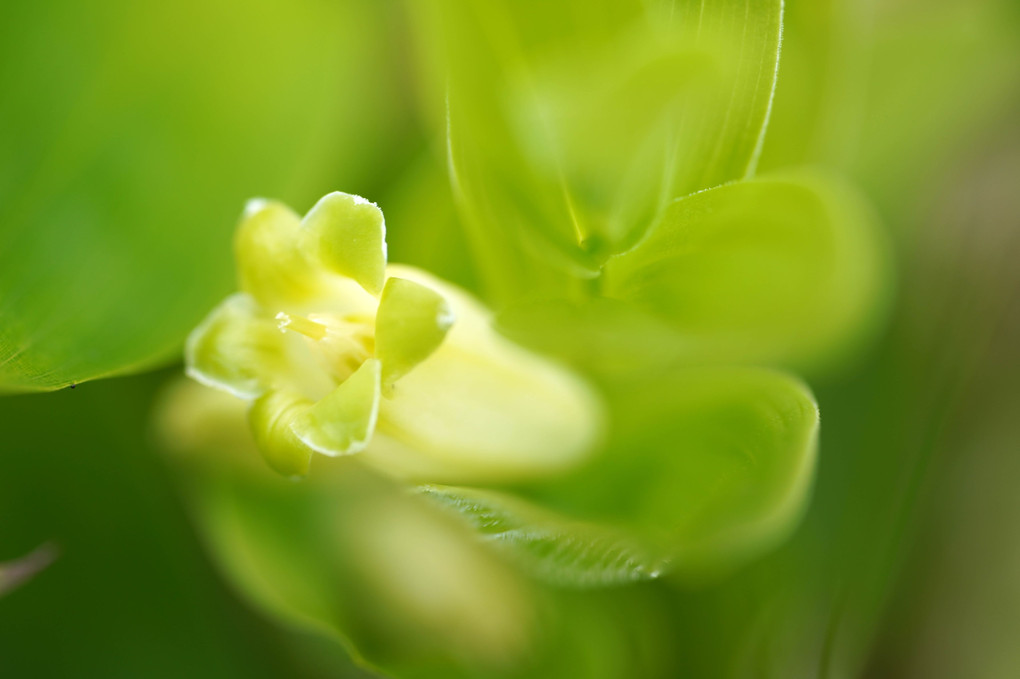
310,329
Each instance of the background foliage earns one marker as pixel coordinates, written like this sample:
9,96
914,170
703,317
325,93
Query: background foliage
131,136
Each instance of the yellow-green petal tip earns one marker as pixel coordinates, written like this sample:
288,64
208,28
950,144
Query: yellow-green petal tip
347,234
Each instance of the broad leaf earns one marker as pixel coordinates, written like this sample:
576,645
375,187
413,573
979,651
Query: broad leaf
132,135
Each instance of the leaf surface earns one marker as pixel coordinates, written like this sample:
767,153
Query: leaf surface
569,131
705,469
788,270
133,135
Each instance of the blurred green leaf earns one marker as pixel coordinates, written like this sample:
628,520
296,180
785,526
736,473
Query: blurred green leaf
555,550
130,579
787,270
132,133
771,269
570,128
935,75
705,469
410,589
351,555
890,92
711,465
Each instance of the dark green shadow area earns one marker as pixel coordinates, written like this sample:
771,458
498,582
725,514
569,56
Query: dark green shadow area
131,593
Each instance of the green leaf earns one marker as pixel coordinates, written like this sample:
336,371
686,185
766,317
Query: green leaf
133,135
705,469
349,554
409,589
786,270
569,131
551,548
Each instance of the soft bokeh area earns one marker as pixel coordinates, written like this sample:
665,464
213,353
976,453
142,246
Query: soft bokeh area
737,279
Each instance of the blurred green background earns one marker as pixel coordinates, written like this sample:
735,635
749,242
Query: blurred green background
130,136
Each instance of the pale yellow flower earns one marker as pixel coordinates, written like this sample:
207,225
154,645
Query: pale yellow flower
339,353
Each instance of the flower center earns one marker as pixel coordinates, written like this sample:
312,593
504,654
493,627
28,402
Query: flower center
305,326
340,345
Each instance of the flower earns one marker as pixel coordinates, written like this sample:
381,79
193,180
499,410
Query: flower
339,353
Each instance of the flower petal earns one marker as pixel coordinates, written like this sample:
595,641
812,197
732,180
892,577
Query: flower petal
482,408
348,236
270,265
343,422
236,349
270,418
411,323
